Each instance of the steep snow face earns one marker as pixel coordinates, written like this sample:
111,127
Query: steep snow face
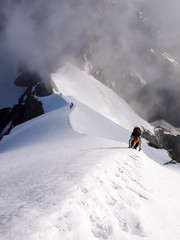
57,183
86,89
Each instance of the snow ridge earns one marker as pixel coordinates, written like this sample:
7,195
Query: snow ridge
69,174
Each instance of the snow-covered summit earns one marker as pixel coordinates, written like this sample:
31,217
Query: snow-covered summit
71,81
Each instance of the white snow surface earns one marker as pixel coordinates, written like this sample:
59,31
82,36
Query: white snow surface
69,174
72,82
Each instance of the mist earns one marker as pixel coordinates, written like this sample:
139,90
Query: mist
131,42
165,15
162,99
42,34
122,43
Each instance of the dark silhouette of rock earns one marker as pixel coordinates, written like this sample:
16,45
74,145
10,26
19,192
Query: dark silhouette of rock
28,107
163,139
27,79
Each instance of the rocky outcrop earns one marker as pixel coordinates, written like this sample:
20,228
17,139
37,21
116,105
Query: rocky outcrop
41,87
169,142
165,137
153,140
28,107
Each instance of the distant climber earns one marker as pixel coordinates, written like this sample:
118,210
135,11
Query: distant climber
135,139
71,105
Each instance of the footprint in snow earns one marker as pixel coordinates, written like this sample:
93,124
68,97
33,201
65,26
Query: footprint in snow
130,223
110,200
84,190
116,186
99,228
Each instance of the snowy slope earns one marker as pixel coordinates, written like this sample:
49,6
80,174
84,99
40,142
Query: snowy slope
69,175
73,82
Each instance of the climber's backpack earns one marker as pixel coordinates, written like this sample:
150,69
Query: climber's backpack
136,132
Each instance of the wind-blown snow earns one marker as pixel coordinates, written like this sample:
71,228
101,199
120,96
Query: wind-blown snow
69,175
97,96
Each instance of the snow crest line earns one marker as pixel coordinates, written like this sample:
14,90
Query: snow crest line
69,175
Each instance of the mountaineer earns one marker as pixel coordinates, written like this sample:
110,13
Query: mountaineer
135,139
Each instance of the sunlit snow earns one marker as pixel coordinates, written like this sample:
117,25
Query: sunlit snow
69,174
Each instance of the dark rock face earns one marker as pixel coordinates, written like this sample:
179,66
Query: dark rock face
27,108
26,79
169,142
5,118
153,141
41,88
162,140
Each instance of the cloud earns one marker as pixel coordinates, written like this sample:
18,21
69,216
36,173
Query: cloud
118,40
123,41
43,33
165,15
